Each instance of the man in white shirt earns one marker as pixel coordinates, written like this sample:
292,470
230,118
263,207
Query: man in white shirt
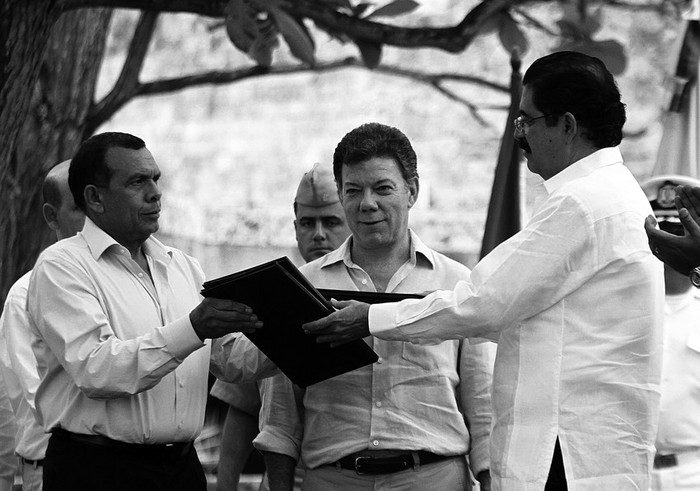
124,340
409,420
574,300
17,361
677,459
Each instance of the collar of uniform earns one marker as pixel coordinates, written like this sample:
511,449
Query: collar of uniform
584,167
98,241
342,253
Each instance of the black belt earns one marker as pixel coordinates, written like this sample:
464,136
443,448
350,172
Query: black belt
368,464
33,463
663,461
163,451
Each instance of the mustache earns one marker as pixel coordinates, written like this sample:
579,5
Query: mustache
522,143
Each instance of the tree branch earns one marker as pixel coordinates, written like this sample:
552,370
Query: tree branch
452,39
127,84
164,86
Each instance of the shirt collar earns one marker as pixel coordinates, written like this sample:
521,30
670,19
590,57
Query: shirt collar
342,253
584,167
98,241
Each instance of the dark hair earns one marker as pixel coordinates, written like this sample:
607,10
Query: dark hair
375,140
567,81
89,165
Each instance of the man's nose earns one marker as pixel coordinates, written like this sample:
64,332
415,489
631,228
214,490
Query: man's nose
319,231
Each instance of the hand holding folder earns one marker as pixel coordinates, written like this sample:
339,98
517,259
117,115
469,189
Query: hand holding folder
283,299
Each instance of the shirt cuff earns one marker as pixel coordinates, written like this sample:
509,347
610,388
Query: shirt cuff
479,456
271,439
381,319
180,338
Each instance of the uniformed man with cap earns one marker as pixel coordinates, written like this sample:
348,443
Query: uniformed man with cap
677,460
320,221
320,227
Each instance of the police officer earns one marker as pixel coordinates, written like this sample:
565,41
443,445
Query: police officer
677,459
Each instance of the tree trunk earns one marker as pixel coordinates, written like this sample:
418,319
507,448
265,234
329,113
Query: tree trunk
56,101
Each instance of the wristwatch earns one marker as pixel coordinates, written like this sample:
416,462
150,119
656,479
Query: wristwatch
695,277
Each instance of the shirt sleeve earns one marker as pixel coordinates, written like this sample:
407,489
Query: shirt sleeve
14,327
523,276
68,316
475,377
281,417
234,358
8,429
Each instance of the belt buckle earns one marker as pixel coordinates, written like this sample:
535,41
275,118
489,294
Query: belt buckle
358,463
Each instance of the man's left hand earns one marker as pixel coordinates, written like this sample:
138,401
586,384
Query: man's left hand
349,322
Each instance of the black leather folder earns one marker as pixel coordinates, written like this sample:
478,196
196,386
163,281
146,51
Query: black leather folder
283,300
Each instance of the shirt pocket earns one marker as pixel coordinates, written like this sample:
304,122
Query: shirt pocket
693,342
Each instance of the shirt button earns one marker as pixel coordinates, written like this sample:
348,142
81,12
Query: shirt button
375,443
364,282
379,403
380,361
140,275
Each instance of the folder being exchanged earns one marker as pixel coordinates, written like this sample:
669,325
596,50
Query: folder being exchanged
283,300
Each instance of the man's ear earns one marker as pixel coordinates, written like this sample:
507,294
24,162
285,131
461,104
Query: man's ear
570,125
50,215
413,190
93,199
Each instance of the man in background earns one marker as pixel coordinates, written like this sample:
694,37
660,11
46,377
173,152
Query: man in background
320,226
409,420
17,360
124,341
677,459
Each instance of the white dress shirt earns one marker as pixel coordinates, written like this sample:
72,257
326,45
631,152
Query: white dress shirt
575,301
117,354
8,429
679,421
434,398
19,368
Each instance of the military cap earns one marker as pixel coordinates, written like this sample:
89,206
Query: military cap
317,188
661,193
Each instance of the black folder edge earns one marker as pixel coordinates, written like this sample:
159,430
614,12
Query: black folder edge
367,297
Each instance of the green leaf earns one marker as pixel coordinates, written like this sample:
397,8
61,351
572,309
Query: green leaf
241,25
371,52
397,7
265,44
512,37
297,38
360,9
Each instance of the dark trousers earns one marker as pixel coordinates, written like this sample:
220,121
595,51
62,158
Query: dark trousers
556,480
76,466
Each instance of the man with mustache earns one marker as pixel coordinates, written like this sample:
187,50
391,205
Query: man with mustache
124,340
574,300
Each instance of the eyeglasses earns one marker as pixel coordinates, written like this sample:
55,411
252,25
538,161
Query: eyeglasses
521,123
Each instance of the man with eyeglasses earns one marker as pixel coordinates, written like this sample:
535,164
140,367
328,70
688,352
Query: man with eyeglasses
574,300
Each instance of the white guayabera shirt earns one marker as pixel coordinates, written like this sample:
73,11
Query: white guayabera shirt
575,302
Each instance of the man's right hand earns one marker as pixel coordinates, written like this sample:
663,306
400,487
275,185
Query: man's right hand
216,317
